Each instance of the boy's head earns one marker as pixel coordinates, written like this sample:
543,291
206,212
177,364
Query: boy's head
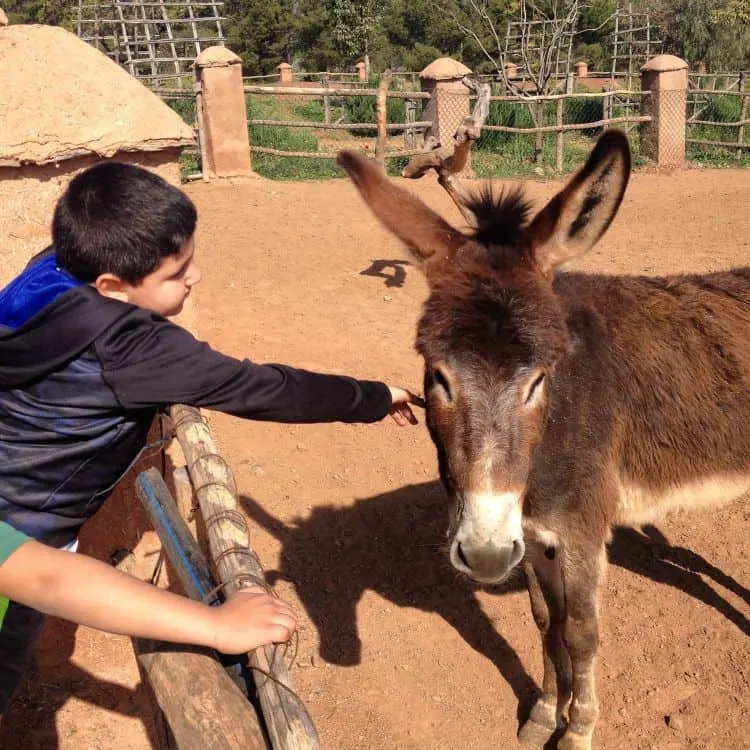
129,233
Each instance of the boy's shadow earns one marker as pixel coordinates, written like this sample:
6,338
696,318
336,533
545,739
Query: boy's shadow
390,544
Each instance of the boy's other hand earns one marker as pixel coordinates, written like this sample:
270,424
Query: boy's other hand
251,618
401,411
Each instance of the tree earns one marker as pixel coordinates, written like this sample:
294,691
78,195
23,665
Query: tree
717,34
354,24
539,36
261,32
51,12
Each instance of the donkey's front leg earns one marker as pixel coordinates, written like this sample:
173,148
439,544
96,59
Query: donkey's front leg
542,568
583,571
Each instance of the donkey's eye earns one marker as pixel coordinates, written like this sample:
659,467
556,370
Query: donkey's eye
535,389
439,379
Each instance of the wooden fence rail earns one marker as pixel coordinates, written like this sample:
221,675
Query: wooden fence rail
328,91
702,104
627,104
381,127
287,720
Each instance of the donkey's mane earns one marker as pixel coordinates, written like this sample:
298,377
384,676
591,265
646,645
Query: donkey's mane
502,215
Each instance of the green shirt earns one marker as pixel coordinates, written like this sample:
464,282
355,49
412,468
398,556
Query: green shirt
10,541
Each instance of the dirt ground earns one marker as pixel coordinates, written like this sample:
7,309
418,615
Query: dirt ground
395,650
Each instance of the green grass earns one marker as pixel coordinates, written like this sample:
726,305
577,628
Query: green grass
718,109
287,139
190,162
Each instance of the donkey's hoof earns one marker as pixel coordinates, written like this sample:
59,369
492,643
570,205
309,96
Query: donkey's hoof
575,741
535,734
541,724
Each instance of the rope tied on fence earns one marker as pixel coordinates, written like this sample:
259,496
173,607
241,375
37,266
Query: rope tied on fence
242,580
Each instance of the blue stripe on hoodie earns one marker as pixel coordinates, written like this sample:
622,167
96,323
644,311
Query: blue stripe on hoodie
39,285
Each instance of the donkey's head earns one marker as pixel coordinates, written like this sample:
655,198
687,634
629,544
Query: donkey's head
492,333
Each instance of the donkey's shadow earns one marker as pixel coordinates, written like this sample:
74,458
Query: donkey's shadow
391,544
649,553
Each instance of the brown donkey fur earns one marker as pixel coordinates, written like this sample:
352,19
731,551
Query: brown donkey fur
562,404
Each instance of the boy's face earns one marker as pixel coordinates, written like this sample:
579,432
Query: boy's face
164,290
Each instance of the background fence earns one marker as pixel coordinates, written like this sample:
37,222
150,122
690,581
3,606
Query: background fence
296,126
297,131
717,116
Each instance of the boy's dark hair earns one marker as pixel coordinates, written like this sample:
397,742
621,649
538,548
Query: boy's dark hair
120,219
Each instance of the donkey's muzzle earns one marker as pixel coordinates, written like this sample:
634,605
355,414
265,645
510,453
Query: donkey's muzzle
487,563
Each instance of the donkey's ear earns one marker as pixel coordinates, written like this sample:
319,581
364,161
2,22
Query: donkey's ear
429,237
574,220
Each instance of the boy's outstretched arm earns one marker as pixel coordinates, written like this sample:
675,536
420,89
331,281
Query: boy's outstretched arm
87,591
148,362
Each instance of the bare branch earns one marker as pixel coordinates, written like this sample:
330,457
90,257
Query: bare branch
450,159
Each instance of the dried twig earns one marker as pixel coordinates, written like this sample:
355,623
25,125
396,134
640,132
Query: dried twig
450,159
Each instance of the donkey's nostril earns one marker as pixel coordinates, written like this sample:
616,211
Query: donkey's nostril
461,556
518,550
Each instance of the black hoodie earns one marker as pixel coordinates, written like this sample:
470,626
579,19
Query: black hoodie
82,377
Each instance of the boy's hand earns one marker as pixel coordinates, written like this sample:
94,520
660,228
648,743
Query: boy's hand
401,411
249,619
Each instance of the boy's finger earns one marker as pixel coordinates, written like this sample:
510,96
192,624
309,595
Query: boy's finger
416,400
397,417
280,634
407,414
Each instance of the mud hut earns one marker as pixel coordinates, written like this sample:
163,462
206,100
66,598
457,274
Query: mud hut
65,106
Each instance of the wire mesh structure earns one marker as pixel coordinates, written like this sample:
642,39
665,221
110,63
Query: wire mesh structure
154,40
531,44
635,40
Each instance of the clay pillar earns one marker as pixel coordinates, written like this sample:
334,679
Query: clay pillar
361,71
286,74
226,141
449,104
582,69
664,82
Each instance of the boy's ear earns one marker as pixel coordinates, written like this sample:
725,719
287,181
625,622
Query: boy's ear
112,286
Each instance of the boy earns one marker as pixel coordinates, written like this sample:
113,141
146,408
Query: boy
88,356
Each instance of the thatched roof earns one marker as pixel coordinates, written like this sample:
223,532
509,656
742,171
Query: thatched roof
62,98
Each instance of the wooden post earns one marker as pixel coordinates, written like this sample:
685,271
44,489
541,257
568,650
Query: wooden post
539,135
743,113
287,721
560,155
200,124
184,496
410,135
382,116
560,143
203,707
326,101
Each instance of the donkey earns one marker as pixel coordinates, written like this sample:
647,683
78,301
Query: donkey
562,404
